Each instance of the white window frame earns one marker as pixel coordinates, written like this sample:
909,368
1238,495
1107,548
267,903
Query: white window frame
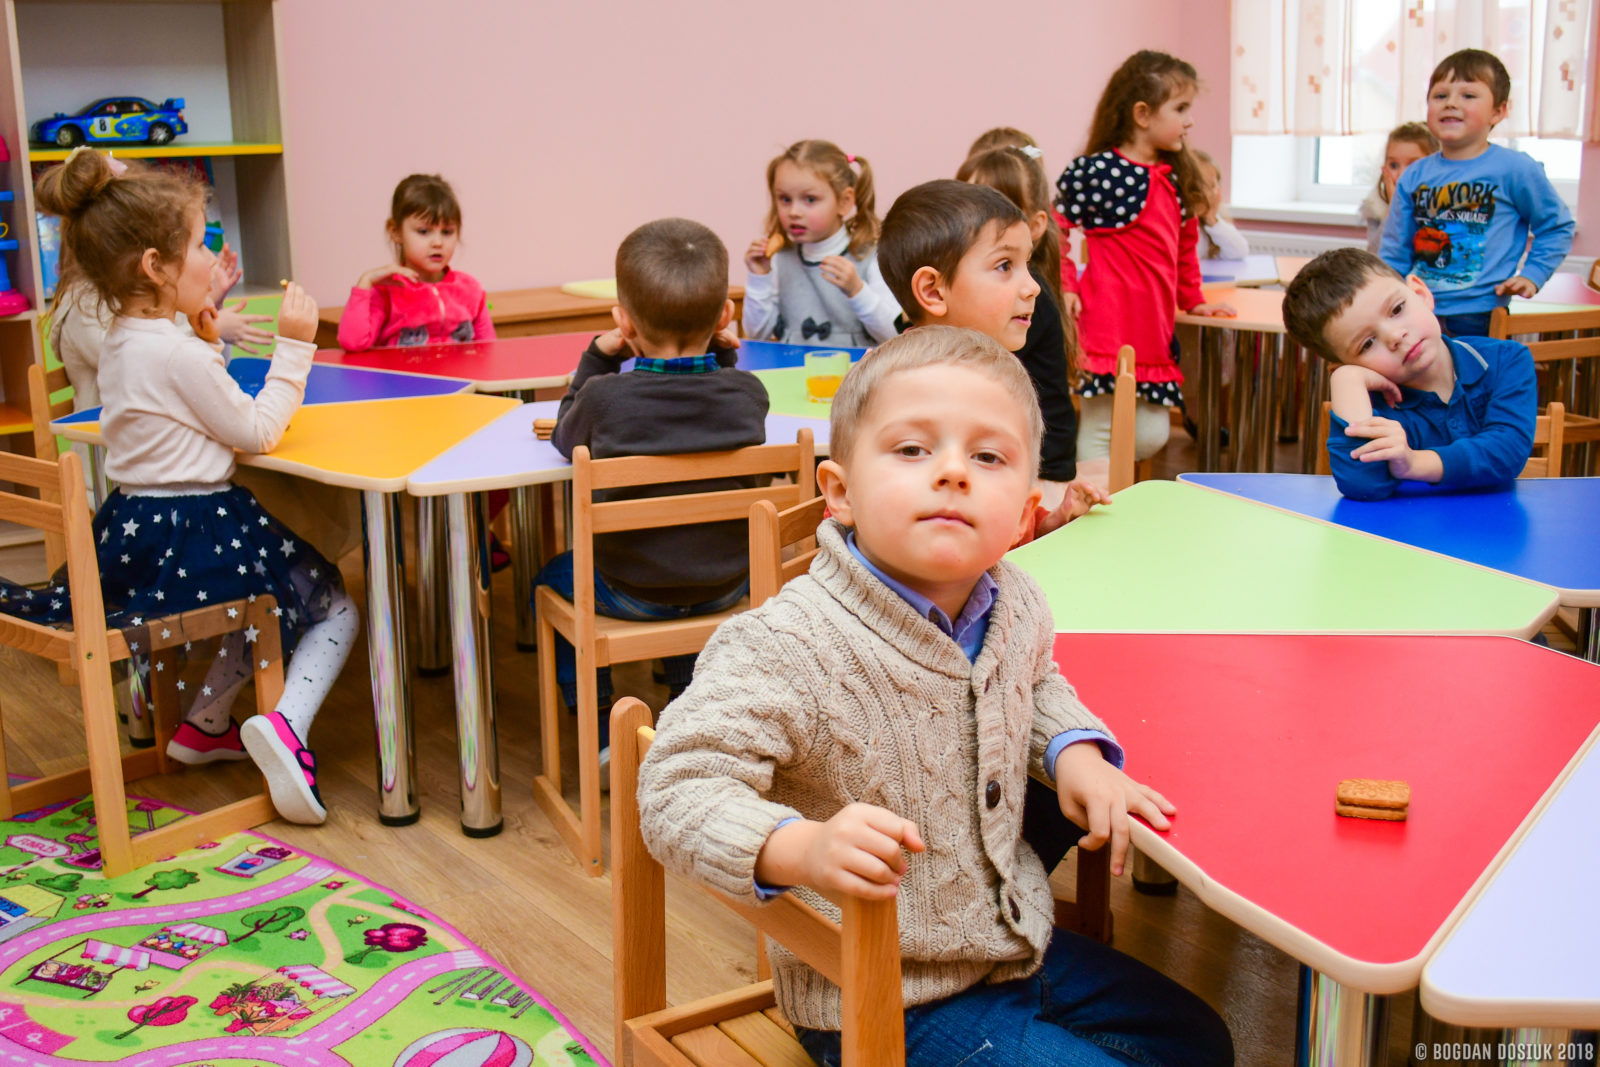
1309,190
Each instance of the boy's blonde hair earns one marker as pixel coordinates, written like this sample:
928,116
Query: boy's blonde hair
927,346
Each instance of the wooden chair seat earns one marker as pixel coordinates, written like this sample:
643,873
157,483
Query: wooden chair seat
91,649
861,953
599,641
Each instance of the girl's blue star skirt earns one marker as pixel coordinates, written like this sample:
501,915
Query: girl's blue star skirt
164,555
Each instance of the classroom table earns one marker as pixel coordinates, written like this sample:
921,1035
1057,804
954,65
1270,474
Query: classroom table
1541,529
1564,288
1164,557
504,365
1527,952
1249,735
373,445
772,355
1255,269
1258,350
527,312
504,454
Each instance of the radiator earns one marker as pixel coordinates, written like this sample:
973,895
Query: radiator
1275,243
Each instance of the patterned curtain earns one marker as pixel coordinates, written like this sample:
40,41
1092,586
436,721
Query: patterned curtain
1333,67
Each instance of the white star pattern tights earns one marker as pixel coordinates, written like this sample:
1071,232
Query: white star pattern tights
308,676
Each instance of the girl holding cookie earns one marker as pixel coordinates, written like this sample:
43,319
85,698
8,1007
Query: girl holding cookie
417,299
814,278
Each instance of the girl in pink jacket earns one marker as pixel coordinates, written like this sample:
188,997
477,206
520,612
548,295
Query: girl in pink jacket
418,299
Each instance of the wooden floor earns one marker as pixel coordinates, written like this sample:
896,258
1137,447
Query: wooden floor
521,897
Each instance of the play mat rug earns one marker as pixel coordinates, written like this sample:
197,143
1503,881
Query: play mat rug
243,952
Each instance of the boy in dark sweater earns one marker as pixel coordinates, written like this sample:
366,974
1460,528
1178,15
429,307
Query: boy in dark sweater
681,396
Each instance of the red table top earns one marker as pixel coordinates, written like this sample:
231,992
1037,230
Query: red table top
492,366
1566,288
1250,734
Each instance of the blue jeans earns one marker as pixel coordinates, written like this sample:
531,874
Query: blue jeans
615,604
1087,1005
1466,324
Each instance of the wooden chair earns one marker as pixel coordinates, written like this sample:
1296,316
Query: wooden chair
1124,469
861,954
600,641
775,534
1562,356
1594,274
92,649
1548,432
42,385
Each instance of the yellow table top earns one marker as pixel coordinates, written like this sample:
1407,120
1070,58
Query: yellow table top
372,445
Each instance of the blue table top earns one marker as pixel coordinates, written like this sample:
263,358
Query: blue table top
771,355
1542,529
326,385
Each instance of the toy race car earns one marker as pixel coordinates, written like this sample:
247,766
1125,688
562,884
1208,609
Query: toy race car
115,119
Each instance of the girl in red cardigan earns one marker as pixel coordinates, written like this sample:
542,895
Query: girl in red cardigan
417,299
1138,194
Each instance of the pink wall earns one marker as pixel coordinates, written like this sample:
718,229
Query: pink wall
563,126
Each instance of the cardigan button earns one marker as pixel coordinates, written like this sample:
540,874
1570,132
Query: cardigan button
1016,912
991,794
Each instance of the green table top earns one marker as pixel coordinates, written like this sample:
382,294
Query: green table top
786,393
1172,558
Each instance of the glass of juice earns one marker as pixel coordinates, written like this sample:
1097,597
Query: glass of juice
825,369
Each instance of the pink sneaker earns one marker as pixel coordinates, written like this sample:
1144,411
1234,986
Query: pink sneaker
289,767
194,746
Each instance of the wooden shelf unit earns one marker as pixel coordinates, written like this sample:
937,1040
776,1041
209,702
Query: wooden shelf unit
255,150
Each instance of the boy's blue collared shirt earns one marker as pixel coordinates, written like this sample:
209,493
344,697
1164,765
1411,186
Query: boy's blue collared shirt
1482,435
677,364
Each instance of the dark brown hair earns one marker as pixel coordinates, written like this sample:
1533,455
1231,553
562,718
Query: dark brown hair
1474,65
933,225
110,216
1416,133
841,171
672,279
1022,179
1149,78
1325,287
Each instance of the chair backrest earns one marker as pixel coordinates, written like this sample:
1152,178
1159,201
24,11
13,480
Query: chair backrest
1548,433
591,517
772,533
1503,324
42,385
1124,423
1594,274
861,953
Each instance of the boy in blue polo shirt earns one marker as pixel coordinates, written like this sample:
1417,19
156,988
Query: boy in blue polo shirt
1462,216
1409,404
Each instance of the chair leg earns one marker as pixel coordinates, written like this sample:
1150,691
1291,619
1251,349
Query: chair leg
161,685
105,769
588,763
6,810
584,845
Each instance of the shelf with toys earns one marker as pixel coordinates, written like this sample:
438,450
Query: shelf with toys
191,84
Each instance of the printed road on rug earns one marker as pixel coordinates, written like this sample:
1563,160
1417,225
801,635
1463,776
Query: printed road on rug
242,952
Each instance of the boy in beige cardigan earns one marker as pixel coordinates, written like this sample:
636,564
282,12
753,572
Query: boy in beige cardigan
894,700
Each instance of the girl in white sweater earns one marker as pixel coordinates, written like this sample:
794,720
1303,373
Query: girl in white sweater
176,534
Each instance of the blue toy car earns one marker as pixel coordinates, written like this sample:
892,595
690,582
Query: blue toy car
114,119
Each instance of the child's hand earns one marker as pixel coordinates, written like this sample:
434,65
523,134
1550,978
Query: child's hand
1079,498
240,330
841,272
1216,311
613,344
225,274
756,260
1098,797
1371,381
1387,444
858,852
388,270
297,315
1071,305
1517,285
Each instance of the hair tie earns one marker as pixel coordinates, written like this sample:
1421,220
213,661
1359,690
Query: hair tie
118,167
1030,150
848,158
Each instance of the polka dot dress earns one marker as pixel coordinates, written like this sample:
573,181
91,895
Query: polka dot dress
1106,192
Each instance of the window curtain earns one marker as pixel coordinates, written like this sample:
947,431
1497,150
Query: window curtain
1335,67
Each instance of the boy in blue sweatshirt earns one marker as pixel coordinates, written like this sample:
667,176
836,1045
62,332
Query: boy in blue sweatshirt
1409,404
1462,216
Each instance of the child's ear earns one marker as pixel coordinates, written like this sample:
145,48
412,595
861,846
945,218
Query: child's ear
847,202
726,316
150,265
1141,114
1500,114
831,480
1420,288
929,288
624,322
1025,520
1037,225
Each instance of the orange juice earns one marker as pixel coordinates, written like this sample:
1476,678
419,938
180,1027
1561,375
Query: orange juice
821,387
